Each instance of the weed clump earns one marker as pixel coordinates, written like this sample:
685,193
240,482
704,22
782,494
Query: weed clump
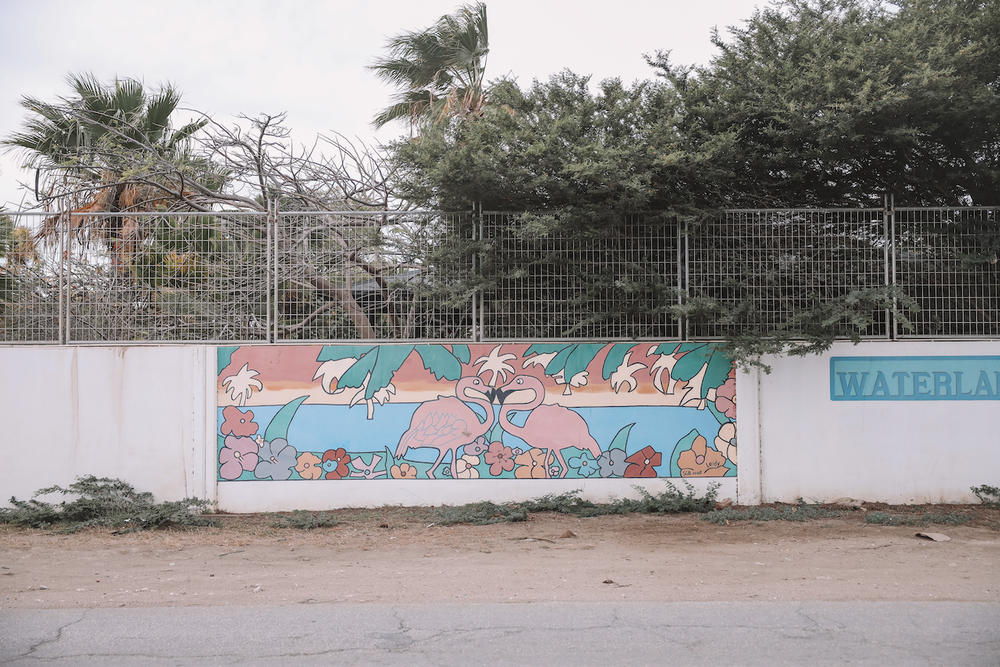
802,511
104,502
303,520
671,501
886,519
481,514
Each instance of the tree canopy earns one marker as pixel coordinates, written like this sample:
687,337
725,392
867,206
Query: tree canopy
439,71
810,103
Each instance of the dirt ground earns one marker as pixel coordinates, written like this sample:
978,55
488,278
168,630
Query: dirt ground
399,555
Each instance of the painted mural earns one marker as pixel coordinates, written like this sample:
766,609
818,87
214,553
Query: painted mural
509,411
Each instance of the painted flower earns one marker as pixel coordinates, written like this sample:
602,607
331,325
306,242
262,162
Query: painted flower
476,448
403,471
725,398
641,464
701,460
237,455
725,442
465,467
530,465
309,466
612,463
500,458
585,464
367,470
238,423
335,463
277,458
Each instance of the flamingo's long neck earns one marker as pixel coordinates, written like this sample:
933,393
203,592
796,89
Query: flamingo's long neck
509,426
490,415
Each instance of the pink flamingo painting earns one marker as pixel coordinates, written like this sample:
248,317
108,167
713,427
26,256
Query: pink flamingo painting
549,427
447,423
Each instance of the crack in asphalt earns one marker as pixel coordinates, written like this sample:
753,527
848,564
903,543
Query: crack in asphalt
59,632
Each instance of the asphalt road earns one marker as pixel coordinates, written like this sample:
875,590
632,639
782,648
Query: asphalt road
578,634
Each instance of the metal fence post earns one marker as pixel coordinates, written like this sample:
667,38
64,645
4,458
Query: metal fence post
478,320
272,226
68,258
892,260
686,293
681,255
63,284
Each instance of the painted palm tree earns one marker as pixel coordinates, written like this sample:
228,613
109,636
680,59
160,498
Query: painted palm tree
440,71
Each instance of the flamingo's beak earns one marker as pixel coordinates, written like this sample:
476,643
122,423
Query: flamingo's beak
501,394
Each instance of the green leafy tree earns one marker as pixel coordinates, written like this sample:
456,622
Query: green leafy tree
814,103
840,102
439,71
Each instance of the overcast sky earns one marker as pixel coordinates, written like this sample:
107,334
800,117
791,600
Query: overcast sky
308,57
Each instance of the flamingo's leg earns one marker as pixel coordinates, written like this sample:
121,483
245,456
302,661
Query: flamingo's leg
548,453
563,469
430,471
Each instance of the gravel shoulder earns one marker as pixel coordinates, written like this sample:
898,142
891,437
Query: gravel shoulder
400,555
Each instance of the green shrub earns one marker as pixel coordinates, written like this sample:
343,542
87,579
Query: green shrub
802,511
988,495
104,502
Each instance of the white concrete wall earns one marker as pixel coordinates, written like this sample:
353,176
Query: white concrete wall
135,413
806,445
147,415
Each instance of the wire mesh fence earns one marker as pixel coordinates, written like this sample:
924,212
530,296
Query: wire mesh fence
88,277
31,280
772,265
946,259
618,283
368,276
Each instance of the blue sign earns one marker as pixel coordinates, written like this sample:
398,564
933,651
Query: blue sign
915,378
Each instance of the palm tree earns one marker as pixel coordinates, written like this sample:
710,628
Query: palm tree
439,71
89,140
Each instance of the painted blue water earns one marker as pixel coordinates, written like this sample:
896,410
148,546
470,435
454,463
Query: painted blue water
317,428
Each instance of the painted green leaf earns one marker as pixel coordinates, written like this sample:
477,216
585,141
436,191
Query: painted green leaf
667,348
462,353
278,428
691,363
682,445
620,440
495,434
337,352
581,357
719,367
439,361
546,348
722,419
356,374
225,357
697,358
558,362
615,358
390,358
